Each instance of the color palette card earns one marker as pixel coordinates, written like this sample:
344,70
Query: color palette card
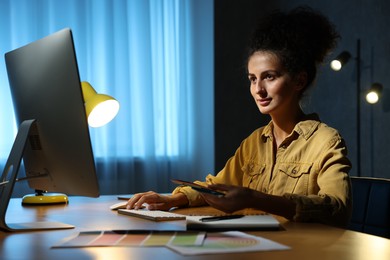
229,242
133,238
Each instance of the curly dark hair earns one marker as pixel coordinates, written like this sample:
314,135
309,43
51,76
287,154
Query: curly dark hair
301,39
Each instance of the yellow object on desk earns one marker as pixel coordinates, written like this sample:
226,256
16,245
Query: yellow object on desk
47,198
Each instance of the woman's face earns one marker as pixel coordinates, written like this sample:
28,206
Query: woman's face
275,91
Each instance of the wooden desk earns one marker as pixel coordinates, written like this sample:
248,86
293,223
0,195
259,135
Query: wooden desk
308,241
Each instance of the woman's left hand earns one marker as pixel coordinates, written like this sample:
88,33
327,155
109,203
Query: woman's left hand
236,197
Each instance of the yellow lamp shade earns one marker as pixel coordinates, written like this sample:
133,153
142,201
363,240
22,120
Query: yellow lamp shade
100,108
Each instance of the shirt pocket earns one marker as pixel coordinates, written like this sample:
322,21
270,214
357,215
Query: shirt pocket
294,177
252,171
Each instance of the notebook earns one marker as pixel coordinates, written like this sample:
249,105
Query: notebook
248,222
155,215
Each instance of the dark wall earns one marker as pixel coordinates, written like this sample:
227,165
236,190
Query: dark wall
236,114
334,96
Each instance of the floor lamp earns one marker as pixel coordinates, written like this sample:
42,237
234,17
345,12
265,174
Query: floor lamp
372,95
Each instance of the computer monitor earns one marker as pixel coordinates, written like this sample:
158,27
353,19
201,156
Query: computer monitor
53,136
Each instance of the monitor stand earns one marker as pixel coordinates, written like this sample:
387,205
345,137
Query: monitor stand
8,180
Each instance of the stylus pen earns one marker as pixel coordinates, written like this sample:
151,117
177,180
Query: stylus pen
3,183
209,191
209,219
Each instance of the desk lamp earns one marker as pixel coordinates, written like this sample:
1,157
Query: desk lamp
100,110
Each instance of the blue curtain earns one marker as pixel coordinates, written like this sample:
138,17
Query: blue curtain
156,58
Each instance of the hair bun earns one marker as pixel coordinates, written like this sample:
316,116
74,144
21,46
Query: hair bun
301,39
302,30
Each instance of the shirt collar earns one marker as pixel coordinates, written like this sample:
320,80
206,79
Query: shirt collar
305,128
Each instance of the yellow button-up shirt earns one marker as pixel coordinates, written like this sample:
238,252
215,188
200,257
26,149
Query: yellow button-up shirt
310,167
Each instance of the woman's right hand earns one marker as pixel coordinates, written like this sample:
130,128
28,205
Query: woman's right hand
157,201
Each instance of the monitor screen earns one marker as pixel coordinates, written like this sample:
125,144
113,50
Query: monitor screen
45,87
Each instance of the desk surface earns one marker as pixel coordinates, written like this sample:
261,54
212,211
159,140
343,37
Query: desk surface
307,240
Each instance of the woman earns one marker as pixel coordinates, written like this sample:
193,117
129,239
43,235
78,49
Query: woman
296,166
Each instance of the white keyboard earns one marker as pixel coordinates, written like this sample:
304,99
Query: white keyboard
156,215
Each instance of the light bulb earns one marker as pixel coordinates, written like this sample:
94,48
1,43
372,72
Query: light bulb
335,65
